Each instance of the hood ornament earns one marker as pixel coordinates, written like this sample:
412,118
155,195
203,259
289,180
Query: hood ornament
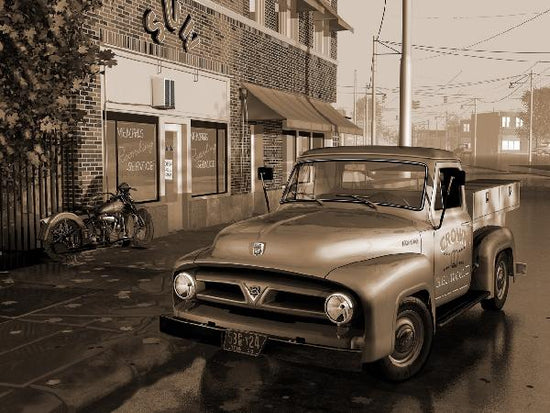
258,248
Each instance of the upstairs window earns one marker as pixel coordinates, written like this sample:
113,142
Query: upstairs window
466,127
256,10
288,18
519,123
505,122
321,35
510,145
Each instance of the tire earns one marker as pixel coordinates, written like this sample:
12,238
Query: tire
413,343
141,233
501,283
64,240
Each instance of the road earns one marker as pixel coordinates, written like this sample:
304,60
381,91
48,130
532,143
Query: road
482,362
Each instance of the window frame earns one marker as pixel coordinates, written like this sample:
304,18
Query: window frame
380,160
218,126
132,117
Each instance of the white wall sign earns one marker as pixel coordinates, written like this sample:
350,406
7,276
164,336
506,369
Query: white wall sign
168,164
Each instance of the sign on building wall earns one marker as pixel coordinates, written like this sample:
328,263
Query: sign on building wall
171,21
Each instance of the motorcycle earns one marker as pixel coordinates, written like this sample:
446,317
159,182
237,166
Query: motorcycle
116,221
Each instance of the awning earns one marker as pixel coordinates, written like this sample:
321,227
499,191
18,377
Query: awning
297,112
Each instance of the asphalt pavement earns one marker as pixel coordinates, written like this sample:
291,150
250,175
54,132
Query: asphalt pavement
70,335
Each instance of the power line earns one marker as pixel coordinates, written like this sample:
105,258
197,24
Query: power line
448,85
382,20
505,97
477,17
456,49
500,59
536,16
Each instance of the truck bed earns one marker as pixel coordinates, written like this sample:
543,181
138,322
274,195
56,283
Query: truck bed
489,200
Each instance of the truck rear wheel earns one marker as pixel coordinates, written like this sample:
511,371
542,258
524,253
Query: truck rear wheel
501,283
413,342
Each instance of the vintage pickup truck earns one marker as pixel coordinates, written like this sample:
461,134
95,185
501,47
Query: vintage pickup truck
370,250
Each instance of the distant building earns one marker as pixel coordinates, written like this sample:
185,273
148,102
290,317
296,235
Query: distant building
465,133
499,133
430,138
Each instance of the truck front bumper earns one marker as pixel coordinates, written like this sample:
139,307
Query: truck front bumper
274,346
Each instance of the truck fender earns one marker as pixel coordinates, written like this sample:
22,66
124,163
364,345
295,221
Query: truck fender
488,243
46,224
381,284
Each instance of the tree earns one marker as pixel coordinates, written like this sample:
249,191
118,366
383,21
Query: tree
46,58
360,114
541,114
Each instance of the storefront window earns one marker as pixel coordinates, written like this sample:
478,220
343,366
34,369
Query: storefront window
302,142
289,152
317,140
132,154
209,159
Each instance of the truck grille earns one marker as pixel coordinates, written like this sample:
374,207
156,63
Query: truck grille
264,291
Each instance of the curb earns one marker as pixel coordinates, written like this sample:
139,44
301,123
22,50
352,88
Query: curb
87,382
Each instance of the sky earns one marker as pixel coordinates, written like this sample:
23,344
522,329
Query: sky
451,24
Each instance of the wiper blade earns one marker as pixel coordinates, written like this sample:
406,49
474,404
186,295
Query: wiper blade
361,198
311,198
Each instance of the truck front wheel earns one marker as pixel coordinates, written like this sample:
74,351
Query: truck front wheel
413,342
501,283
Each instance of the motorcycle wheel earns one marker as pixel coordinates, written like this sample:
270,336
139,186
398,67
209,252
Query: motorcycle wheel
141,233
64,241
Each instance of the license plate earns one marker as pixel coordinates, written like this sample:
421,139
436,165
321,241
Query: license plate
244,342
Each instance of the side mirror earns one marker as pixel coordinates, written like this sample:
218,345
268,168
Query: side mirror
460,178
265,173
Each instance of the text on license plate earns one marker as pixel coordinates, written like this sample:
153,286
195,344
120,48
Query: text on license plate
243,342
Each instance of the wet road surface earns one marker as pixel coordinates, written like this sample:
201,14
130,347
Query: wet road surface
482,361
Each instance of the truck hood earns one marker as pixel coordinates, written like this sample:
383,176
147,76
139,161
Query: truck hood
312,239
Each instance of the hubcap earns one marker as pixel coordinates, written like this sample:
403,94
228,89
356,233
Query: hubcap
501,280
65,237
409,338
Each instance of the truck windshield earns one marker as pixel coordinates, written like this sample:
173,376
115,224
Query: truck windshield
386,183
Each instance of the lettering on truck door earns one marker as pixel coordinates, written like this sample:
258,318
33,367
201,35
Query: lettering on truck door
453,241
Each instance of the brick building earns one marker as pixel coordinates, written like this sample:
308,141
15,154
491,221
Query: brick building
204,92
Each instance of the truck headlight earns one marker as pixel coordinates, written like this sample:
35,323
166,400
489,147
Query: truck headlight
339,308
185,286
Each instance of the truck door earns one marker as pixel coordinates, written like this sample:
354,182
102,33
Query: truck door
453,241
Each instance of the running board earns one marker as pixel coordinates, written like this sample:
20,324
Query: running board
449,311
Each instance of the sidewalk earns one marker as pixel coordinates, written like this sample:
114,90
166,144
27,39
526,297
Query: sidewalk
71,335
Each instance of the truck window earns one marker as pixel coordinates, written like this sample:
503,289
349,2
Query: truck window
454,200
387,183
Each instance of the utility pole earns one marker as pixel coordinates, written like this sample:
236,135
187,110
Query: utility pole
373,91
405,109
475,131
366,117
531,118
354,94
446,130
